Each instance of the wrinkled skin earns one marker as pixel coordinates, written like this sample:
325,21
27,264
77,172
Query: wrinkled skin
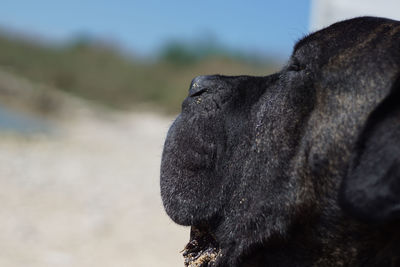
299,168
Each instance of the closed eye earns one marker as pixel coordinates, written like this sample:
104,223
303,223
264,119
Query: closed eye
295,66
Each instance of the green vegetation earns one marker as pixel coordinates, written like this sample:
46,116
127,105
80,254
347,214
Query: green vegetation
102,73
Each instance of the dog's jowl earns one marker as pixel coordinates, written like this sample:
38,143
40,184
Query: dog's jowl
299,168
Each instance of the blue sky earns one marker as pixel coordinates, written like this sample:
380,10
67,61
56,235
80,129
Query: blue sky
144,26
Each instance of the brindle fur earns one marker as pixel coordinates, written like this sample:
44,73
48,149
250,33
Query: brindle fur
299,168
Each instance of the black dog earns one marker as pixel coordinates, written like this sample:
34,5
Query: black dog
299,168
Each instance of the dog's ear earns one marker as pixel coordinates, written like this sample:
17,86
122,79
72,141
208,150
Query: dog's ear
370,191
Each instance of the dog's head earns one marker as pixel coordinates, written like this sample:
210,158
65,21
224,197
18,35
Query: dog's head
250,159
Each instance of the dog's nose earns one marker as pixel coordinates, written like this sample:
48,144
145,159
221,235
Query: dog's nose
201,84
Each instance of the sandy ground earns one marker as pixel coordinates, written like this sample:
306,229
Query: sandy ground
87,195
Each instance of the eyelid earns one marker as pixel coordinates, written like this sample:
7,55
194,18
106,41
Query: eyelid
295,65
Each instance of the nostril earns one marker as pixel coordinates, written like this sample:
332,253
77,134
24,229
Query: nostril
197,91
201,84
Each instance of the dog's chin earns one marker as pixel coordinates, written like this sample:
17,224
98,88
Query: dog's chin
202,249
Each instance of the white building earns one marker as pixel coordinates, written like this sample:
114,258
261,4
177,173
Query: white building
326,12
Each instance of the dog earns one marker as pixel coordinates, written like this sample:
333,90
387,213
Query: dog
298,168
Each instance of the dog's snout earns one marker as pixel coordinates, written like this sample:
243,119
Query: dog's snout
201,84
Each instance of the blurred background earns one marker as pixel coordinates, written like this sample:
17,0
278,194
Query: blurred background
88,90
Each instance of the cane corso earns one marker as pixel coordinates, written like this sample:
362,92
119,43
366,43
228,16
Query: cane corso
298,168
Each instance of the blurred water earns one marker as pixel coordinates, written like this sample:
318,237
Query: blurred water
11,120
